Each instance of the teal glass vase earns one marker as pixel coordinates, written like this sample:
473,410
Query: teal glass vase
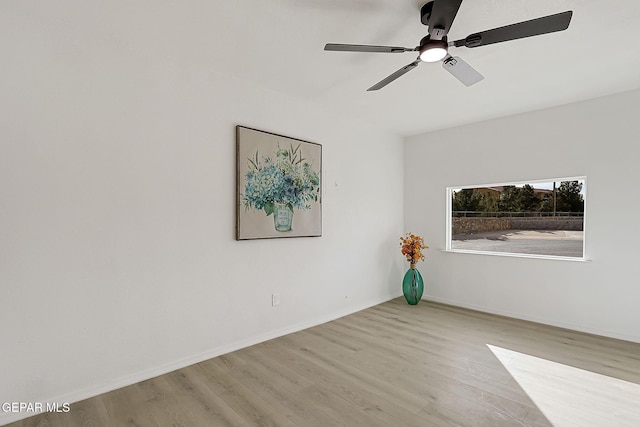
412,285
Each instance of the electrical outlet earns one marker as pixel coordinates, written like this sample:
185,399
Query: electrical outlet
275,299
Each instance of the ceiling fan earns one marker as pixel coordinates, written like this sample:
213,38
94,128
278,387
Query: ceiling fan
438,16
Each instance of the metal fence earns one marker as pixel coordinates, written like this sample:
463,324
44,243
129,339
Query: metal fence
480,214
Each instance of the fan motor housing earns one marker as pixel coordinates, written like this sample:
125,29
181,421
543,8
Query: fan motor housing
427,41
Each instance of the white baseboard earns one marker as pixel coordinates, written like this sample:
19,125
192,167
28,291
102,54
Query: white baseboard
550,322
127,380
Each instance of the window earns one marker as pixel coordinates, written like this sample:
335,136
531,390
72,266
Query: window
541,218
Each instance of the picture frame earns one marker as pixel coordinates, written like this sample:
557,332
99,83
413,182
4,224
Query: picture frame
278,186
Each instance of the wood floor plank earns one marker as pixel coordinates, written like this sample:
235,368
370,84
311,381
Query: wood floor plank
244,400
87,413
160,403
126,407
191,391
282,396
358,394
46,419
390,365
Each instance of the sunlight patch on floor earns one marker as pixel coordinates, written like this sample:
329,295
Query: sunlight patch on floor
569,396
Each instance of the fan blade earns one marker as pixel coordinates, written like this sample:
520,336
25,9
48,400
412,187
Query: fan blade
382,83
461,70
366,48
534,27
442,16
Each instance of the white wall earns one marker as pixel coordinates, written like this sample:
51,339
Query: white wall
117,190
597,138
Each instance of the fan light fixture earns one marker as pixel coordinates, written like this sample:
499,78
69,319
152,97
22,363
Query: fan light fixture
433,50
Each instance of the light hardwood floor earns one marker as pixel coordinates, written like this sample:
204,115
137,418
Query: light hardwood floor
390,365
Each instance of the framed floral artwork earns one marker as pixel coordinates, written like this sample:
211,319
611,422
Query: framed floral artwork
278,184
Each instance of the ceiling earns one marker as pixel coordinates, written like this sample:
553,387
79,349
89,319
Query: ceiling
279,45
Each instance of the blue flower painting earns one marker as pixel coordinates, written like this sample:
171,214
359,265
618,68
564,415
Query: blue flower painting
280,178
288,180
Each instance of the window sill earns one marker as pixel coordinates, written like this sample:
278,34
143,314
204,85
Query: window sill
517,255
